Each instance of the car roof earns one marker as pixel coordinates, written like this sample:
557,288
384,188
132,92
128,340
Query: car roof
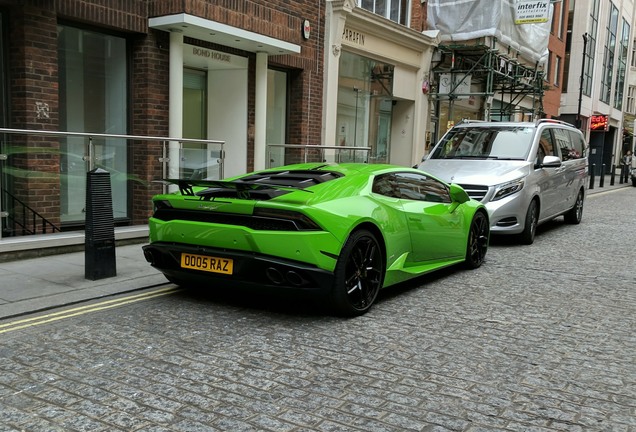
508,124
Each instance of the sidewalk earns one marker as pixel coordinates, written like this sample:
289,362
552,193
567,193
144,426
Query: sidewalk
38,284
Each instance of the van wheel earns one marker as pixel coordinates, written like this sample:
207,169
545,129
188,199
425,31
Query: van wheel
532,219
574,215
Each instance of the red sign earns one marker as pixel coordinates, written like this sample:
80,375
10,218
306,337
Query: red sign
599,123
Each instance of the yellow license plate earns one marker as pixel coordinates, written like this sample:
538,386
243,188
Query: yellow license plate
207,263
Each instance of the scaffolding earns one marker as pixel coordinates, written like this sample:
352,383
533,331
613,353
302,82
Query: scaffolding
477,70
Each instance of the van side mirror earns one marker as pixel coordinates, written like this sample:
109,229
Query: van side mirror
551,162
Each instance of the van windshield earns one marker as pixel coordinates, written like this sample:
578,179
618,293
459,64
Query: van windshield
510,143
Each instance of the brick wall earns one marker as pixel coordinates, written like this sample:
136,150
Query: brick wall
34,79
34,105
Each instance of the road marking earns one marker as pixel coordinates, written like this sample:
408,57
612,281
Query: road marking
590,195
69,313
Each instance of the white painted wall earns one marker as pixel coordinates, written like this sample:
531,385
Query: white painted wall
227,116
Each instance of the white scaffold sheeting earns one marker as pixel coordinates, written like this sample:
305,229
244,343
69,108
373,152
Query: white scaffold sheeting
463,20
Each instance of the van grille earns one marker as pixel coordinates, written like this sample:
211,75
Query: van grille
476,192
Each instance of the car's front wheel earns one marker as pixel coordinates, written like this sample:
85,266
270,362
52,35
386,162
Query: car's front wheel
532,220
359,274
575,214
477,241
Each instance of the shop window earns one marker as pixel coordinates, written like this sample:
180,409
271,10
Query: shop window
3,76
365,105
93,98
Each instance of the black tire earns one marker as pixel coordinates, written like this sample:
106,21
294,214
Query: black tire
634,181
359,274
532,220
477,241
575,214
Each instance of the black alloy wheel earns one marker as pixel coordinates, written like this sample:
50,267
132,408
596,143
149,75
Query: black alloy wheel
477,241
359,274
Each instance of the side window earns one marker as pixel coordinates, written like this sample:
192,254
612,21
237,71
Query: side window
578,145
565,147
419,187
546,146
385,185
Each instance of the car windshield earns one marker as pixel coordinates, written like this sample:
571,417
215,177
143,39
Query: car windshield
508,143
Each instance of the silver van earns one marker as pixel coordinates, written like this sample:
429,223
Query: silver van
524,173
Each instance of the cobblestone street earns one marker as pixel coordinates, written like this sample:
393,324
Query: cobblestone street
540,338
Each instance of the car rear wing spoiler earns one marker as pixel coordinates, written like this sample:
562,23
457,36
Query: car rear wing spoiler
186,186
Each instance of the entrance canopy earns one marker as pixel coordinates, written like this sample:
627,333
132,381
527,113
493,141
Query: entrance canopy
222,34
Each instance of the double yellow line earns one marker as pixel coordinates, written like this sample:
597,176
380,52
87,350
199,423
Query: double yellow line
69,313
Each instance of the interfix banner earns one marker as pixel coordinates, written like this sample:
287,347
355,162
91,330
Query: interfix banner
532,11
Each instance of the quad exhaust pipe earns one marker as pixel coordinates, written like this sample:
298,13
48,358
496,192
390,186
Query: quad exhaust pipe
277,277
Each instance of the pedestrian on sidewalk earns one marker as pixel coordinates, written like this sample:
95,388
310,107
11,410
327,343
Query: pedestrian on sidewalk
626,164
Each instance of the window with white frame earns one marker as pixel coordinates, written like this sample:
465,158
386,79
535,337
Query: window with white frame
395,10
557,71
631,92
590,50
623,47
607,76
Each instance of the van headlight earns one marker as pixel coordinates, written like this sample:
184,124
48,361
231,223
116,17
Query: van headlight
507,189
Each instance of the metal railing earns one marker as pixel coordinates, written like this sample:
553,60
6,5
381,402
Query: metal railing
13,168
24,218
286,154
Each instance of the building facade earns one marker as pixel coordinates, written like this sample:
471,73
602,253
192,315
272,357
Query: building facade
600,41
491,62
241,73
557,55
226,79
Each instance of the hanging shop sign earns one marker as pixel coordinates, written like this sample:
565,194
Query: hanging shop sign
599,123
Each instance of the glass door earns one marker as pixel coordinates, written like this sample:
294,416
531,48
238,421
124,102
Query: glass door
194,155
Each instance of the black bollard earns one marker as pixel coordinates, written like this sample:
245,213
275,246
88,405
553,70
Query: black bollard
602,181
613,174
593,168
99,245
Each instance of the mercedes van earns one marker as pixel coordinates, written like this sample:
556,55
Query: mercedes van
525,173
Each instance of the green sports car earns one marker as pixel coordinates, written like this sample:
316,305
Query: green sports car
341,230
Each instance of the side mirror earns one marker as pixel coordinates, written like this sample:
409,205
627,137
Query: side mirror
551,162
458,194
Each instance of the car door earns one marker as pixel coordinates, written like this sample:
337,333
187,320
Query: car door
549,179
569,149
436,231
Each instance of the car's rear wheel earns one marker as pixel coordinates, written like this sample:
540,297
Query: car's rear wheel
359,274
477,241
532,220
575,214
